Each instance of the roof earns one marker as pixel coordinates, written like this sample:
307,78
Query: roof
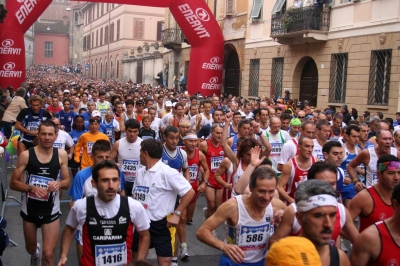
58,27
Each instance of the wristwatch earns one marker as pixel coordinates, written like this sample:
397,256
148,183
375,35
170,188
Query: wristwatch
30,187
258,134
178,213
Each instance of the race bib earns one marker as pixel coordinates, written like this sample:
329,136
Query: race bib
89,148
141,194
111,255
193,170
346,174
276,149
146,137
129,169
215,162
33,126
103,112
254,237
40,182
374,179
59,145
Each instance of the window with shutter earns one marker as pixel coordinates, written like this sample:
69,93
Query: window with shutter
229,7
112,32
160,26
106,35
256,10
92,39
138,29
118,26
97,38
101,36
278,6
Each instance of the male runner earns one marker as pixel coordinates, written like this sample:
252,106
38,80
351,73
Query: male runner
82,184
333,154
156,187
294,128
289,224
214,153
243,132
316,213
374,204
108,220
290,148
40,186
323,129
380,244
196,159
351,135
249,220
369,158
28,121
295,171
277,138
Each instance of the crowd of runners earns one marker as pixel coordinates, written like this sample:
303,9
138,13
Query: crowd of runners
289,181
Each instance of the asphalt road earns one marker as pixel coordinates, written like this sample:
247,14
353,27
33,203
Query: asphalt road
200,254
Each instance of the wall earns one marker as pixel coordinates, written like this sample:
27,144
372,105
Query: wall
359,56
60,49
151,66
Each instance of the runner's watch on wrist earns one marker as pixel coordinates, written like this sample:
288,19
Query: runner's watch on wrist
259,134
178,213
30,187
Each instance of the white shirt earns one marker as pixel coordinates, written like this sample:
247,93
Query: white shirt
165,119
164,184
204,120
63,139
156,125
138,215
289,150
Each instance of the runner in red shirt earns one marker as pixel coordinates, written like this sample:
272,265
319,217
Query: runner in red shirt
379,244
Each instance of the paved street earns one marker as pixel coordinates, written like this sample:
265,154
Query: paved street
16,255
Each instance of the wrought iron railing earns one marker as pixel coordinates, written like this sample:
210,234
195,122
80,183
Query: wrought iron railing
300,19
169,36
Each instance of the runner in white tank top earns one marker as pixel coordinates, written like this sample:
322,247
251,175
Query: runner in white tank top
371,176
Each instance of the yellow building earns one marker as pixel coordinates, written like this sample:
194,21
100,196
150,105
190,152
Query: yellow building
338,52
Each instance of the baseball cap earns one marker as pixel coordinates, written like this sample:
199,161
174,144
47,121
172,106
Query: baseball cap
66,91
309,116
328,112
295,122
168,103
293,251
95,113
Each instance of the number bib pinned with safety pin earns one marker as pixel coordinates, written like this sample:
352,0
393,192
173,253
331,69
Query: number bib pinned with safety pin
111,255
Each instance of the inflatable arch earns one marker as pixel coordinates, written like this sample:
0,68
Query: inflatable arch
193,16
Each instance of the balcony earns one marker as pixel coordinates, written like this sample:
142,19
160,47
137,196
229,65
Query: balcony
300,25
172,38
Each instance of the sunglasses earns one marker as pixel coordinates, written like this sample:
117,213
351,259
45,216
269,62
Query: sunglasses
301,117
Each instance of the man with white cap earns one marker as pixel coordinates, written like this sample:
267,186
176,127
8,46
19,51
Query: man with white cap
316,213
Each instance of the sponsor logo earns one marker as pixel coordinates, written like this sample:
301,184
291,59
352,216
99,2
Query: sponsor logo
92,221
221,153
108,232
195,19
214,64
8,71
382,216
202,14
25,9
212,85
7,43
108,222
107,237
122,220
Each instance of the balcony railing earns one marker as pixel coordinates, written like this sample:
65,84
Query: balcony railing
301,19
172,38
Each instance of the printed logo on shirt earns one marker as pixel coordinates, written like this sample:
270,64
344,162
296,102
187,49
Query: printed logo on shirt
108,232
122,220
92,221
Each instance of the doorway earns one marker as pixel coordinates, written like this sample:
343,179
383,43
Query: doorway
309,83
232,74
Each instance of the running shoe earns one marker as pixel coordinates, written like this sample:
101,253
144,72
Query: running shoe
36,261
184,251
205,213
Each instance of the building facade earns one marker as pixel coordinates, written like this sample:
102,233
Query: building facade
110,30
51,43
326,52
333,53
29,39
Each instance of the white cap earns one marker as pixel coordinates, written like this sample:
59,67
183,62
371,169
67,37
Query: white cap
95,113
168,103
66,91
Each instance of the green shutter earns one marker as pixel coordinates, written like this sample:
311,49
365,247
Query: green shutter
255,11
278,6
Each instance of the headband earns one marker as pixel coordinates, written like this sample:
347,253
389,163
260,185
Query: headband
94,120
191,136
315,202
389,165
